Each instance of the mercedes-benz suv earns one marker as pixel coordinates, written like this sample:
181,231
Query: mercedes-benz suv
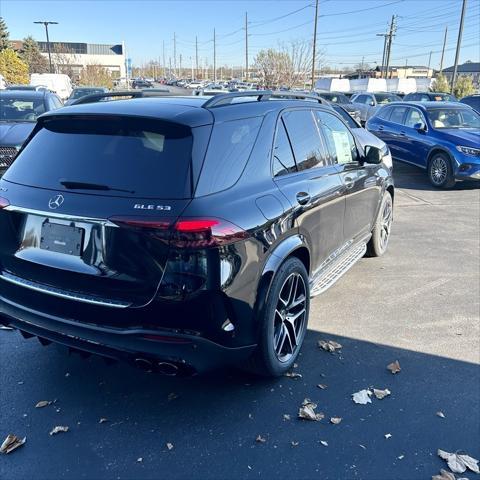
184,233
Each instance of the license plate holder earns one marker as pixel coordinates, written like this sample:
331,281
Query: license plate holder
59,238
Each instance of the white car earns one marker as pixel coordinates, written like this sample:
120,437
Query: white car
56,82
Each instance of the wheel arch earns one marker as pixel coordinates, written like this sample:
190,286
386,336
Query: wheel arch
439,149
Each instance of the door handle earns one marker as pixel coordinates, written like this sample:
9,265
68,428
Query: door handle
380,127
303,198
349,182
403,134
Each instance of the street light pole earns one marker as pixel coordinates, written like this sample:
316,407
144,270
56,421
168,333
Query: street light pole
314,53
459,43
46,24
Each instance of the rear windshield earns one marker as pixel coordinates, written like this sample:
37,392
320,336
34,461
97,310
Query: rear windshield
143,157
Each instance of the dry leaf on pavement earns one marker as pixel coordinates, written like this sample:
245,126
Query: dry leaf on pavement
458,463
295,444
440,414
103,420
293,375
286,416
140,460
58,429
170,446
444,475
381,393
43,403
329,345
260,439
322,386
388,435
307,411
324,443
11,443
335,420
394,367
362,397
172,396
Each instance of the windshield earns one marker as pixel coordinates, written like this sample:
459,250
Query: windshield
443,97
335,97
21,108
81,92
452,117
383,98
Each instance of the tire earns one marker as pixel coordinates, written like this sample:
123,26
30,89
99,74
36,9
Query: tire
440,172
281,321
378,244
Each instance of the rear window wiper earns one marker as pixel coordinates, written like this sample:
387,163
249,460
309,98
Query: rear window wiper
91,186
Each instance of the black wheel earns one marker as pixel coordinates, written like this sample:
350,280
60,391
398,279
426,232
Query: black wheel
378,244
283,320
440,171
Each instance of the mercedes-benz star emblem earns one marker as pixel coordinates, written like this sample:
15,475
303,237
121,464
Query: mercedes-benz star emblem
55,202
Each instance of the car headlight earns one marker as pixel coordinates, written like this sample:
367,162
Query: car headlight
474,152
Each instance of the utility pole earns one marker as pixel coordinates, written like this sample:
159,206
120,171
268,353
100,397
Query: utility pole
391,34
443,49
459,42
246,46
180,72
429,62
214,57
175,54
46,24
164,65
384,35
196,57
314,55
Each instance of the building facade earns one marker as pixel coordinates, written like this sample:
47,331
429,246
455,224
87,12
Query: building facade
469,69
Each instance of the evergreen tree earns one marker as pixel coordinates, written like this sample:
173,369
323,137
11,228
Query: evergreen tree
4,41
13,69
30,54
441,84
463,87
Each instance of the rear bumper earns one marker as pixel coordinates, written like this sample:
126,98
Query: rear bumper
191,353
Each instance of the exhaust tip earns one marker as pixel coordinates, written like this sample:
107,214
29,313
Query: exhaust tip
166,368
144,364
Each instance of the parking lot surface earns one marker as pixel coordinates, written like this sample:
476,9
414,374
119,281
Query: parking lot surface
419,304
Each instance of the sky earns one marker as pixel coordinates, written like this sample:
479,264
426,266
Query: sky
347,29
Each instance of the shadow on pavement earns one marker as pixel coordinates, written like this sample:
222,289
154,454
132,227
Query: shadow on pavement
215,420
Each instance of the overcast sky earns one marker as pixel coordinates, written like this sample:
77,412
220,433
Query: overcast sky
346,28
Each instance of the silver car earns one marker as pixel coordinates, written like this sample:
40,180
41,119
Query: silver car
368,103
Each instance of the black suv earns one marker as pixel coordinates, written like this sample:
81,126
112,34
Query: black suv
183,233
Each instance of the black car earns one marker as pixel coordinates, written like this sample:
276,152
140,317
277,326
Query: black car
80,92
472,101
141,84
429,97
342,99
185,233
19,110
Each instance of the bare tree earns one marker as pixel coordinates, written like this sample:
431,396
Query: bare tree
96,75
64,60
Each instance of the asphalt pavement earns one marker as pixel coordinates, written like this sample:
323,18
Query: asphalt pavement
419,304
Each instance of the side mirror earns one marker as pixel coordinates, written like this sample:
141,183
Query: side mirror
372,103
420,127
373,155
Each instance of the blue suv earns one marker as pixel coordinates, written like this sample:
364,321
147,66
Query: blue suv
441,137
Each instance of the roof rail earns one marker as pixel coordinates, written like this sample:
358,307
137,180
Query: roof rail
261,95
96,97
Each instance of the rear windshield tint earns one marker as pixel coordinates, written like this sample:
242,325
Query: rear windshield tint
147,158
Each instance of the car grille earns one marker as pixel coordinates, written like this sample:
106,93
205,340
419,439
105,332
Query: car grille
7,156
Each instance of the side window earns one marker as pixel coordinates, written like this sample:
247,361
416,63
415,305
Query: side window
228,152
361,99
397,114
341,144
424,98
55,102
384,113
283,161
305,138
414,116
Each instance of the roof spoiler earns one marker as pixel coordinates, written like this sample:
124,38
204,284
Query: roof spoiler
125,94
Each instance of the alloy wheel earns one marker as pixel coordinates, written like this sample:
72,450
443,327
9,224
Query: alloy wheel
439,170
290,317
386,225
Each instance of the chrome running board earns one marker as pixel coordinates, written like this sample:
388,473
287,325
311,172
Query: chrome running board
336,268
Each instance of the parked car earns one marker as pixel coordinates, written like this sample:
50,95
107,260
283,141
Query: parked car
141,84
56,82
344,101
80,92
430,97
443,138
368,103
18,115
473,101
204,250
33,88
363,136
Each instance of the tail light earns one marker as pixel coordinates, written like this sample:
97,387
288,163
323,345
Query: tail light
187,232
4,203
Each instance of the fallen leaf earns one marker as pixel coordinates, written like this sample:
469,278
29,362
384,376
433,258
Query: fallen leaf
322,386
170,446
20,383
260,439
324,443
362,397
440,414
67,374
103,420
286,417
381,393
140,459
58,429
329,345
362,446
458,463
388,435
295,444
43,403
172,396
307,411
394,367
401,457
293,375
11,443
444,475
335,420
